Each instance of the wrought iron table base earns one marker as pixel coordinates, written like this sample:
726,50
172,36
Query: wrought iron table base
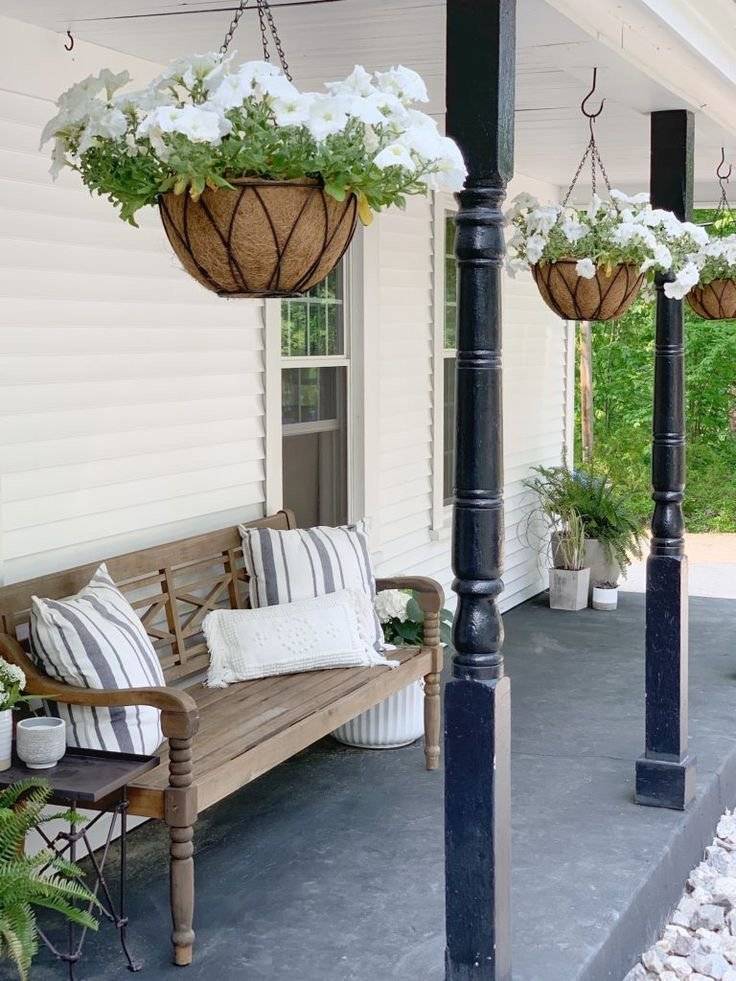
66,842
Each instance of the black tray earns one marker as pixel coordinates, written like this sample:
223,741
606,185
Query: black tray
84,775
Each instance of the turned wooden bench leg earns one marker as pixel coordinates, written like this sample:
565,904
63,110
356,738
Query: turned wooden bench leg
181,814
432,729
432,720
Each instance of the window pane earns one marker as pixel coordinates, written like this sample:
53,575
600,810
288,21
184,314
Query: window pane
448,477
315,454
313,324
309,394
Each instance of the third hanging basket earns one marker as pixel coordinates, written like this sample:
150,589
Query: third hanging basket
715,300
608,295
264,238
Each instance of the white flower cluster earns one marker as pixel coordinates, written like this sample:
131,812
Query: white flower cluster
392,604
717,259
199,97
624,230
12,681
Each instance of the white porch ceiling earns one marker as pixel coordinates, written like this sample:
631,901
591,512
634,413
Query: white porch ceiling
324,38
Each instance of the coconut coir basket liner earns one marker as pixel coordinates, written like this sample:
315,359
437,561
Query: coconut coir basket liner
714,301
604,297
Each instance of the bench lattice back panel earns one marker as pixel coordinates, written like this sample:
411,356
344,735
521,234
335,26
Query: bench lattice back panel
172,587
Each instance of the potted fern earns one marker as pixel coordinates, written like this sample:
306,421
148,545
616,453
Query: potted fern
612,531
28,882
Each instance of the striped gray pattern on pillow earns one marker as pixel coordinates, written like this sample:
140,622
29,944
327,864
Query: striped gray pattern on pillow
96,640
285,566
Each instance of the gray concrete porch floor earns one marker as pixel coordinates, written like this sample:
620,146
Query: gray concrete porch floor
330,867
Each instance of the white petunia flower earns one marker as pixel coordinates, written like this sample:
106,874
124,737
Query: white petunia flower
404,83
200,124
327,116
358,83
686,278
585,268
292,110
395,155
573,230
535,246
641,198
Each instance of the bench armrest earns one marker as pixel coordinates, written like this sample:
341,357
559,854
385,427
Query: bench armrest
429,594
179,713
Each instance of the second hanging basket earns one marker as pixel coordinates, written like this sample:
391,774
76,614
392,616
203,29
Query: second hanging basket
264,238
715,300
608,295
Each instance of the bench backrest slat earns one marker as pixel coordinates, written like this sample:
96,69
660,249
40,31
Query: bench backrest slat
172,587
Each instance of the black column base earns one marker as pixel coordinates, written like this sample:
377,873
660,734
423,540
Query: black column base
478,830
665,783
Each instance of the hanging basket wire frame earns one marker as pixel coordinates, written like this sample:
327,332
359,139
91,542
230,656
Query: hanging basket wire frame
717,300
608,294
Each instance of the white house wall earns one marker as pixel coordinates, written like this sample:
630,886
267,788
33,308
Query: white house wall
537,401
131,402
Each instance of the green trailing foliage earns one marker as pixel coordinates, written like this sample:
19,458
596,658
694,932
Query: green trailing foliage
38,881
623,359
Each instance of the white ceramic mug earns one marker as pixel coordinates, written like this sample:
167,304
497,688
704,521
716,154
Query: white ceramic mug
40,743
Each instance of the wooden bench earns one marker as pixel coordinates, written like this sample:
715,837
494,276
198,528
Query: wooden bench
241,731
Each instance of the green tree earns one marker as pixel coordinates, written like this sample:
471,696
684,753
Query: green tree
623,361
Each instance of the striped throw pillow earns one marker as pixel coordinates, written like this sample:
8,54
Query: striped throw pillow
285,566
96,640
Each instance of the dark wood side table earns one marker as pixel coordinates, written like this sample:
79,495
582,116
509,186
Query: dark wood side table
99,780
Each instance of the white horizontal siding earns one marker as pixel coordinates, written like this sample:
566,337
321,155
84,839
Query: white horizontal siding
131,399
535,405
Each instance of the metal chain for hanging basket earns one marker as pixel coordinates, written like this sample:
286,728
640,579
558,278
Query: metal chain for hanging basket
611,292
267,25
591,150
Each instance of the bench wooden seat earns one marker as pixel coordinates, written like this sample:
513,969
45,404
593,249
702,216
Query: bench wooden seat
218,740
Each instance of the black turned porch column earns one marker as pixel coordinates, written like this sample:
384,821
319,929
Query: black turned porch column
480,116
665,774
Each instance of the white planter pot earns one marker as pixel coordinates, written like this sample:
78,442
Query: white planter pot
604,599
41,742
568,589
6,738
601,568
397,721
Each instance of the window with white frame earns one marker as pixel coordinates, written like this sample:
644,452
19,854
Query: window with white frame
449,350
314,399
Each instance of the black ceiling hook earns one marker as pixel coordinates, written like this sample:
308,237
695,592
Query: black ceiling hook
727,175
592,115
71,41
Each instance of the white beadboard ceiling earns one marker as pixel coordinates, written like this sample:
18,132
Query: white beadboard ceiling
324,38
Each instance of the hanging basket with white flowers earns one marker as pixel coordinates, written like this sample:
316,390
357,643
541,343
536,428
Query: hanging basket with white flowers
259,185
714,297
590,264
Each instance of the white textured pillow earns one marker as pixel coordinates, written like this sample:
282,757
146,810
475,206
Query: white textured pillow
96,640
285,566
333,631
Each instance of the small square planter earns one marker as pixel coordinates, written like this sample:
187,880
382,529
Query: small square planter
568,589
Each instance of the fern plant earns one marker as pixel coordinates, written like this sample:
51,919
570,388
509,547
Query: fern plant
604,510
31,881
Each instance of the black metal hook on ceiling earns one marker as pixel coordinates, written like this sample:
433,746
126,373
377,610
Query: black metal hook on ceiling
70,45
592,115
727,175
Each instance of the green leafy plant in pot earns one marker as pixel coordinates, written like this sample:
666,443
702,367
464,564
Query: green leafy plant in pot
612,531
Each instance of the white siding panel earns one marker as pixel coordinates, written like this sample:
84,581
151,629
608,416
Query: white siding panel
131,399
535,352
